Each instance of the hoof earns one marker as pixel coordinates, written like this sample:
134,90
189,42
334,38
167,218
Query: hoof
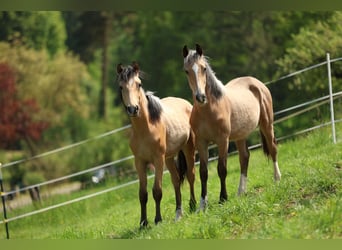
277,174
222,201
179,214
242,191
143,224
157,220
203,204
223,197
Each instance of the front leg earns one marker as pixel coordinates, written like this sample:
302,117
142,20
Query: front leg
143,195
202,147
222,168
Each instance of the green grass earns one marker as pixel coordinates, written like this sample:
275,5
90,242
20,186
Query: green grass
306,204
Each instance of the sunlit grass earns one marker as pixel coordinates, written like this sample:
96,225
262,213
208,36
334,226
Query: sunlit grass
305,204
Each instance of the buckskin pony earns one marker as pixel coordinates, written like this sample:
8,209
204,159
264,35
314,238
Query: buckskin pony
227,112
160,131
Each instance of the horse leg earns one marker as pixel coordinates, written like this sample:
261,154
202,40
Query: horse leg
170,163
143,195
157,187
244,160
189,152
267,134
202,149
268,139
222,168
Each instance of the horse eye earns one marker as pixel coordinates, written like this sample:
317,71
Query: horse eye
120,87
139,85
204,69
186,72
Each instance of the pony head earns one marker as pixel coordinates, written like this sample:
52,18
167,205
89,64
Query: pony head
130,87
195,67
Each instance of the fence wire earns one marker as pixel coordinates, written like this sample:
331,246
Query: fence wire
66,147
322,99
149,177
325,100
129,125
302,70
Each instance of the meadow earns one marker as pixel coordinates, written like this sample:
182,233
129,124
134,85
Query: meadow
306,204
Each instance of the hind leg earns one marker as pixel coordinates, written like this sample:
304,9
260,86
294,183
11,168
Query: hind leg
270,141
189,152
141,170
170,163
244,160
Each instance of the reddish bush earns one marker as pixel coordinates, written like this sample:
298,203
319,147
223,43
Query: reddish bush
16,116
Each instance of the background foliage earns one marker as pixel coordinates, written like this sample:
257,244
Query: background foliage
64,62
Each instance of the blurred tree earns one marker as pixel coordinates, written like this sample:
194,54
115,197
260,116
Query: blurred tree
84,33
89,32
309,47
238,43
17,118
34,29
58,84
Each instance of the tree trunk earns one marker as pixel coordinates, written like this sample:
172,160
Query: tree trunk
104,66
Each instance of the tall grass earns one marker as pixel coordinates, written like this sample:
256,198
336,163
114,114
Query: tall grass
305,204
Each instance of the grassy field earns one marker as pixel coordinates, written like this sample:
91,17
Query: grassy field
306,204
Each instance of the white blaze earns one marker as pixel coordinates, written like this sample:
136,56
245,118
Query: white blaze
195,68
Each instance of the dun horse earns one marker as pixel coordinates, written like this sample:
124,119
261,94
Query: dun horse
227,112
160,131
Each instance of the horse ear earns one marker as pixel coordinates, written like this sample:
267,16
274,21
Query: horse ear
135,66
199,49
185,51
119,68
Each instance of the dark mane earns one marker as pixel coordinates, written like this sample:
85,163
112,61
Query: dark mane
215,85
154,107
127,73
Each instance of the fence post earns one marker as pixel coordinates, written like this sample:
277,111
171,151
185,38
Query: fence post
331,100
3,203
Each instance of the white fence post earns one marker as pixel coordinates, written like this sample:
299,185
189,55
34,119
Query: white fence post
331,100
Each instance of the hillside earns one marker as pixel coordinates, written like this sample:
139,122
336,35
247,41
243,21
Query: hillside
305,204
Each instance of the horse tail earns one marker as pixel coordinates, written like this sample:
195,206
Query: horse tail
181,166
266,119
264,144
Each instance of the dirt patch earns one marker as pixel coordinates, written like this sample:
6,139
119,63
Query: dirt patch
21,200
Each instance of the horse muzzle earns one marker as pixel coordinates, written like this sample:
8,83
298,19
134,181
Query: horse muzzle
132,110
201,98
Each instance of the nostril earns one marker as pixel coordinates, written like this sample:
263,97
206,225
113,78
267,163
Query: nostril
201,98
132,110
136,109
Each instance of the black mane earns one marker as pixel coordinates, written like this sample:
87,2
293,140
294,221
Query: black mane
154,107
126,74
214,84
